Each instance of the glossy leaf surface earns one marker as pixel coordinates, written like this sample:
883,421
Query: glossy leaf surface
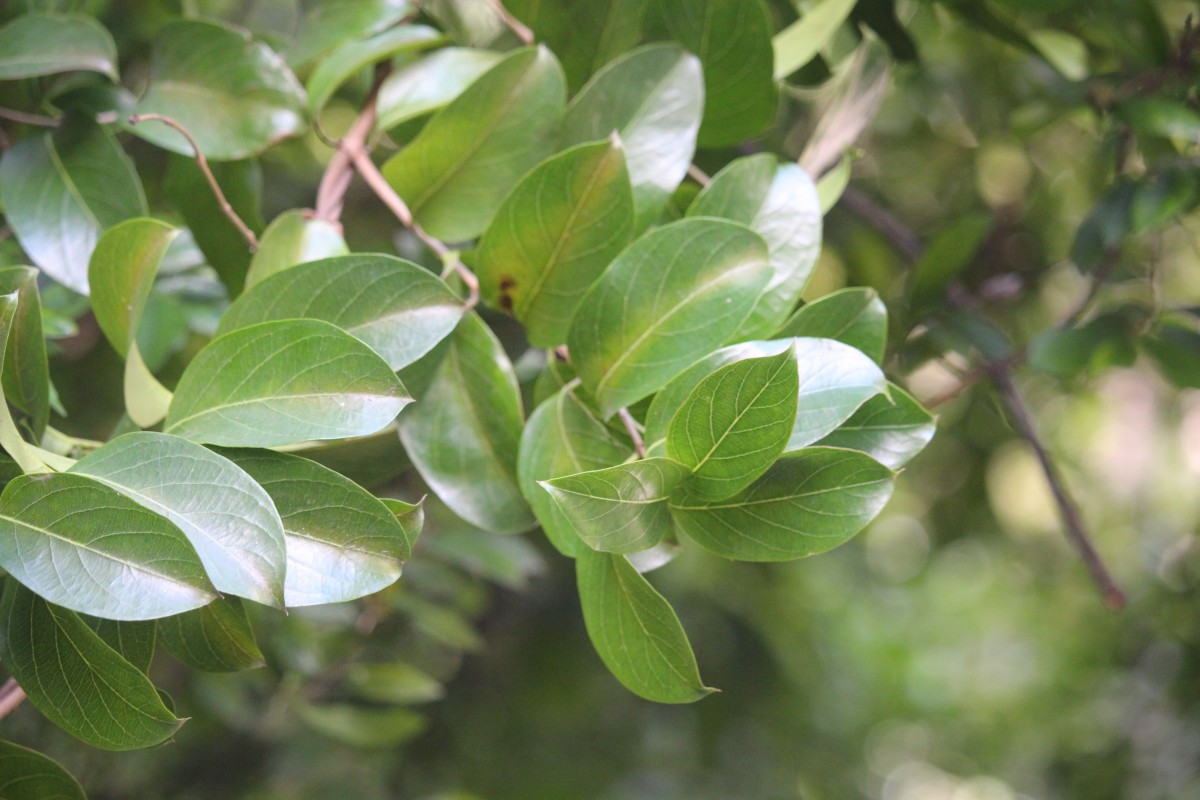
429,83
856,317
891,431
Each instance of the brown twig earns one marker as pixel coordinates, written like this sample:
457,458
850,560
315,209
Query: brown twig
631,428
1076,530
698,175
899,235
202,163
11,696
515,25
25,118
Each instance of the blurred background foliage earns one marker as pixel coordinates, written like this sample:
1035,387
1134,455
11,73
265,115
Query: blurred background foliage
954,651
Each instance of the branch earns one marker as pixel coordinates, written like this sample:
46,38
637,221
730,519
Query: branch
698,175
11,696
515,25
1075,529
891,227
202,163
26,118
631,428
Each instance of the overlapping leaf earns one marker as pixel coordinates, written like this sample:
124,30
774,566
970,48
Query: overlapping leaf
26,375
586,34
135,641
891,429
330,23
216,638
835,380
294,237
856,317
429,83
340,65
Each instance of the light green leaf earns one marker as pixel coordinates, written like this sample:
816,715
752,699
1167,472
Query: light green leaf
42,44
833,183
635,631
284,382
216,638
234,95
294,237
733,40
808,502
653,97
342,542
799,43
352,57
586,34
430,83
76,680
735,424
554,236
29,775
396,308
856,317
133,640
121,273
411,517
779,203
226,516
458,170
463,434
564,437
670,298
362,726
60,190
891,431
330,23
835,379
73,539
26,374
621,509
394,682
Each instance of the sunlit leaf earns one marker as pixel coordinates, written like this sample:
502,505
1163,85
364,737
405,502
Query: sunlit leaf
429,83
800,42
294,237
340,65
890,428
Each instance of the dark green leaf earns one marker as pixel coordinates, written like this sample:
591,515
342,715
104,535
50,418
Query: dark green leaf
26,370
1174,344
411,517
226,516
778,202
670,298
1104,228
808,502
28,775
27,456
621,509
735,424
294,237
463,434
234,95
554,236
950,252
397,308
430,83
216,638
586,34
284,382
1156,116
41,44
458,170
61,190
856,317
635,631
1106,340
733,40
342,542
342,64
77,681
653,98
133,640
890,430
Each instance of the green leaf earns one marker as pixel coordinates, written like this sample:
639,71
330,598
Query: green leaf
507,560
133,640
621,509
779,203
28,775
226,516
284,382
856,317
234,95
430,83
76,680
411,517
394,682
891,430
733,40
463,434
1155,116
41,44
653,97
363,727
457,172
396,308
217,237
26,455
950,252
835,379
800,42
294,237
554,236
808,502
352,57
564,437
735,424
1173,342
121,273
216,638
342,542
60,190
833,183
330,23
670,298
586,34
72,539
635,631
26,374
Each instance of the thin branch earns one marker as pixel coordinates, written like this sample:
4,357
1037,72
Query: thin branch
898,234
515,25
698,175
202,163
331,192
374,179
631,428
11,696
1075,529
25,118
